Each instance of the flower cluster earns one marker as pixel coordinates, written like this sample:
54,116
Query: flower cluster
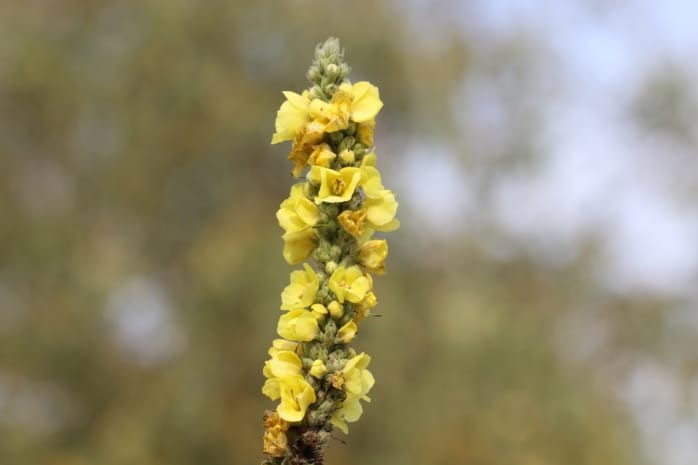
328,220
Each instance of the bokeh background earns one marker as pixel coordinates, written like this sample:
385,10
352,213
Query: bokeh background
540,306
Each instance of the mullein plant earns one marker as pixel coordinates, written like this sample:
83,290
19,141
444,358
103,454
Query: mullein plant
329,220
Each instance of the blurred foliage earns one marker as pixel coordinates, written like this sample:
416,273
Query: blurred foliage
141,261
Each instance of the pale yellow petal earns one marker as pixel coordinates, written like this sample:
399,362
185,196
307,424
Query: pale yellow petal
307,212
347,332
381,211
285,363
366,102
291,117
339,423
298,325
352,410
387,227
271,388
299,245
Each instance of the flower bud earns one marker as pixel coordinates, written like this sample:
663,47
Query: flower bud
332,71
347,332
347,157
315,350
314,74
307,362
318,310
346,144
335,252
330,329
360,149
320,255
372,255
336,309
315,93
318,369
330,267
336,137
314,417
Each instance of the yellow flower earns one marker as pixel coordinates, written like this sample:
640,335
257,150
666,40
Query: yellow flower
380,213
357,382
322,155
302,290
380,203
347,332
337,379
282,363
371,182
372,255
297,212
299,156
309,135
296,395
359,102
353,221
285,381
364,132
275,440
347,156
298,325
291,117
365,101
363,309
350,411
369,160
318,369
281,344
357,379
297,216
271,387
336,309
335,186
299,245
349,284
318,310
333,115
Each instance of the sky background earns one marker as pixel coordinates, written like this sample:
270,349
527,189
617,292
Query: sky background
603,173
598,174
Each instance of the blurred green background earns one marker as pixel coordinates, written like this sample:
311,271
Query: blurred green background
540,305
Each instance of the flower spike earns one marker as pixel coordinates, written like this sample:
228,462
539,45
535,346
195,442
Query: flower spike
328,220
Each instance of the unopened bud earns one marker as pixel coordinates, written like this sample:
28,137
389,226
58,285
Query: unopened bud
347,332
360,149
321,255
346,143
330,266
330,332
335,252
318,369
316,93
332,71
336,309
347,157
313,74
